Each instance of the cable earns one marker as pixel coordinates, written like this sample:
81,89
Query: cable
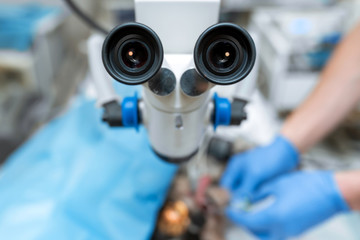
85,17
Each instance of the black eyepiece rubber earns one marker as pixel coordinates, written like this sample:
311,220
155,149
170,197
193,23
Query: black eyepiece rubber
132,53
224,54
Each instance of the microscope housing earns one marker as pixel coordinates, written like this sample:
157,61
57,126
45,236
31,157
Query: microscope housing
178,59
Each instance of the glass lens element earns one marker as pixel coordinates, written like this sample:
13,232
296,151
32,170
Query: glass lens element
134,54
222,55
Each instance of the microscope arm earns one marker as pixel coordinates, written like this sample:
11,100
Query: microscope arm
101,79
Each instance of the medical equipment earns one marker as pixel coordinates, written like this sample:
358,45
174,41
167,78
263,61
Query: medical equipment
295,45
178,53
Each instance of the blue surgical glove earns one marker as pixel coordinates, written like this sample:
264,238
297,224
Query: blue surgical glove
301,201
77,178
246,171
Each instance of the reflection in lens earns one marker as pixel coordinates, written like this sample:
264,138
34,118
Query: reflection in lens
222,55
134,54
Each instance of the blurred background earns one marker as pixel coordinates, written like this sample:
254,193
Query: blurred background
43,65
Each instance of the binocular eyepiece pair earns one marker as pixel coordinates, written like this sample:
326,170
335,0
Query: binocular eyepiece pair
224,54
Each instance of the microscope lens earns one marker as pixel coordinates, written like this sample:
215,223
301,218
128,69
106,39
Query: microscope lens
134,54
223,54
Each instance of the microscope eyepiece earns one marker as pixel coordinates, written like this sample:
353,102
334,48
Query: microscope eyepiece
224,54
132,53
221,56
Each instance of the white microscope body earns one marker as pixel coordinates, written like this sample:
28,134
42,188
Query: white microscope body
158,52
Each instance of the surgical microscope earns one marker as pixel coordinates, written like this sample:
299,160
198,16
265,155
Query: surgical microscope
178,52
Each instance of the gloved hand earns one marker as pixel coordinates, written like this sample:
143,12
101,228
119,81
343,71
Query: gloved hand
302,200
246,171
77,178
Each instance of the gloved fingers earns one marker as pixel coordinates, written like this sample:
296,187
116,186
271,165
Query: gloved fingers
267,235
233,172
247,186
248,189
255,221
237,217
262,235
262,193
270,237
